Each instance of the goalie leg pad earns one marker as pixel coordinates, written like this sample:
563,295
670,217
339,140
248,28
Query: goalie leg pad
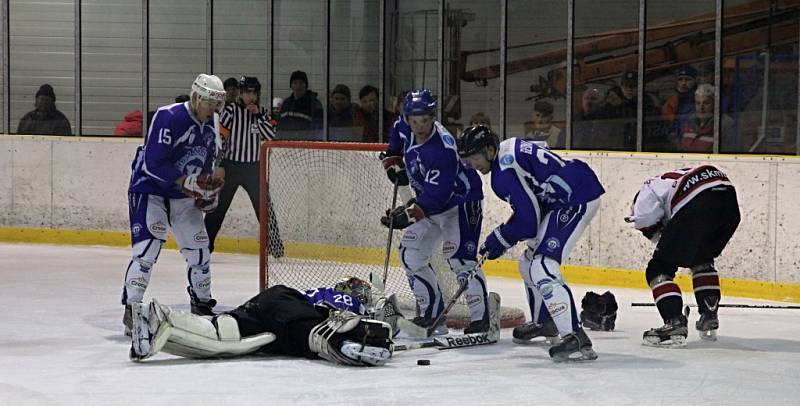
191,336
195,336
137,277
333,340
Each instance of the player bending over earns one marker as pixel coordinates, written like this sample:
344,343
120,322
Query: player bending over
690,214
447,209
171,185
553,201
329,323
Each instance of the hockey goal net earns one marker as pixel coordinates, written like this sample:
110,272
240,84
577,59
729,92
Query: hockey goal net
320,207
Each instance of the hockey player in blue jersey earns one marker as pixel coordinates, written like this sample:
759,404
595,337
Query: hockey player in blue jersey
553,200
447,210
330,323
171,185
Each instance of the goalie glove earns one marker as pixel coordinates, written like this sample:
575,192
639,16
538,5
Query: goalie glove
202,185
349,339
395,168
403,216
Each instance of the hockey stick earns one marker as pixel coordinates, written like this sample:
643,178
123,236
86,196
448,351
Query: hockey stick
734,305
391,234
450,342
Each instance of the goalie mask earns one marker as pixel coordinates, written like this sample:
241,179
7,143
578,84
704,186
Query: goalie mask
357,288
599,311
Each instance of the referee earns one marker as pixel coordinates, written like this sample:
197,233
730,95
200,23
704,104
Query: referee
243,125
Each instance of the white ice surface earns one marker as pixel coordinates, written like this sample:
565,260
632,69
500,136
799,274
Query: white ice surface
61,344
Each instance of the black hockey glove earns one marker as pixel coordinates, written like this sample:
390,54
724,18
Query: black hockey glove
395,168
599,311
403,216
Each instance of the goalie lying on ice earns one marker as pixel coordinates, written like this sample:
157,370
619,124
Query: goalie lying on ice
319,323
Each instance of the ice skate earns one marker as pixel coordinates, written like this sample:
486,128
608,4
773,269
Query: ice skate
201,307
573,347
672,334
440,330
707,326
525,333
478,326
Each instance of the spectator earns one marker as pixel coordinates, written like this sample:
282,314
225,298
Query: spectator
341,111
706,74
480,118
131,125
622,105
590,129
368,96
301,111
277,102
542,128
45,119
680,106
231,90
697,133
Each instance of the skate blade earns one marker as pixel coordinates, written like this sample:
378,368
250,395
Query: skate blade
676,341
710,335
586,354
549,341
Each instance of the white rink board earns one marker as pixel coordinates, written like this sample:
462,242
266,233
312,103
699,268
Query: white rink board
66,182
62,344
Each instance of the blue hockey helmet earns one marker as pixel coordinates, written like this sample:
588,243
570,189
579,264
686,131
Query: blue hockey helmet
419,103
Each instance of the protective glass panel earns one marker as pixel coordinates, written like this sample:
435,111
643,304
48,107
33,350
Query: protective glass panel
111,68
605,54
241,44
299,49
536,82
679,58
355,41
42,64
759,78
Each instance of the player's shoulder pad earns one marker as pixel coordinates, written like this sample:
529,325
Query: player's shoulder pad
506,153
447,139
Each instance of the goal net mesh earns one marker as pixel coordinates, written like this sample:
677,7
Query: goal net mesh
322,203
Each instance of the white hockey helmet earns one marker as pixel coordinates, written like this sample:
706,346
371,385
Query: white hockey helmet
209,88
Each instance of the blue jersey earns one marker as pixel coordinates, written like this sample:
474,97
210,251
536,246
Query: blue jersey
333,298
176,145
435,172
533,181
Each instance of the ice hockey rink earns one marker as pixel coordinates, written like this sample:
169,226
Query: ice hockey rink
62,343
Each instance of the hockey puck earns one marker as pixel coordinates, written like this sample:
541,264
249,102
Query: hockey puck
423,362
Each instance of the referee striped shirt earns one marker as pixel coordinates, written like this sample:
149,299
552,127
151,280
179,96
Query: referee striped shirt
242,132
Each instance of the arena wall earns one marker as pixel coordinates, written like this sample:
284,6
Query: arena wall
76,188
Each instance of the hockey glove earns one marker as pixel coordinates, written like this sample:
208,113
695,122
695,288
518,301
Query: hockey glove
403,216
599,311
202,186
494,246
652,233
395,169
207,205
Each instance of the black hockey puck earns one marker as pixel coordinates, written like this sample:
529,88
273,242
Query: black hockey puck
423,362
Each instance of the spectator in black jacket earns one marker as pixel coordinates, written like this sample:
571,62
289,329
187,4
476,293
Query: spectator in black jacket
45,119
302,110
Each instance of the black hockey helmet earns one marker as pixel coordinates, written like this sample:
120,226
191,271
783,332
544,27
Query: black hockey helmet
250,84
474,140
